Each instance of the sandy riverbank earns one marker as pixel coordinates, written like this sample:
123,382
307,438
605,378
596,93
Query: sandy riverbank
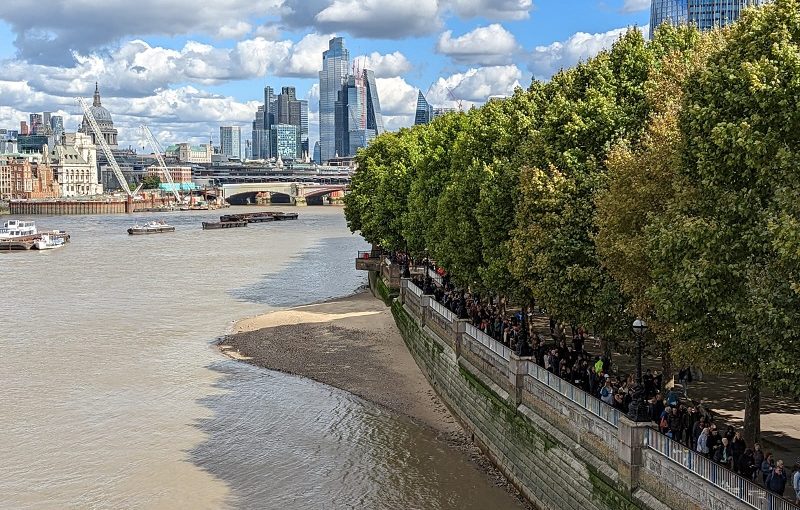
350,343
353,344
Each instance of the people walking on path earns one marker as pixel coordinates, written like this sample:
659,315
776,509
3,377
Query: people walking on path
776,480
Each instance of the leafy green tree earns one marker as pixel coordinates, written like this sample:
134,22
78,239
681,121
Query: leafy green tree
641,183
151,182
553,252
725,253
378,199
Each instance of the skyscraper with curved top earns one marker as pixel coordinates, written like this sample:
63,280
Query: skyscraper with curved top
704,14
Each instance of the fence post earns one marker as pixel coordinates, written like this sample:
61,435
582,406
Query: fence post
631,436
403,290
424,305
517,368
461,329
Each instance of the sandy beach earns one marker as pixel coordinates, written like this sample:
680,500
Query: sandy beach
350,343
353,344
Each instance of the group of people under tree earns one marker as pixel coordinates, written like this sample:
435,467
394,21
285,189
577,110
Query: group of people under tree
676,417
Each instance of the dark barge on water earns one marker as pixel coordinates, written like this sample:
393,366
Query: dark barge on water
214,225
259,217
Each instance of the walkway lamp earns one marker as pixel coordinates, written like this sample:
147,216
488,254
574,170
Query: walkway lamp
638,411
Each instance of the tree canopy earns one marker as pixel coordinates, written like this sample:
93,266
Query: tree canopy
657,179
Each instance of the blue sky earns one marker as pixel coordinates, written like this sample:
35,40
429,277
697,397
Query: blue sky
185,69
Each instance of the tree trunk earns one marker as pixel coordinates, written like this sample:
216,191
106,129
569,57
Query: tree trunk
752,410
666,364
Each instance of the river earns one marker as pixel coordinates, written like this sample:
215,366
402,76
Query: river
113,395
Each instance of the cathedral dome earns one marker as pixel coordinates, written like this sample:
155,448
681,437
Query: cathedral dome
103,118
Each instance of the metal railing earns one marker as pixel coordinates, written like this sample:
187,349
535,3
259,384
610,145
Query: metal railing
592,404
435,276
414,289
488,342
441,310
739,487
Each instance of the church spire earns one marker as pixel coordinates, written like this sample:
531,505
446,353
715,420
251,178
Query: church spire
96,95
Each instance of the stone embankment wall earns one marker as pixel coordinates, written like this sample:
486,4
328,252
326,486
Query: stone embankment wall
562,448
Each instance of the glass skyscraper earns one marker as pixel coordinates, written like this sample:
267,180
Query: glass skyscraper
424,111
704,14
331,79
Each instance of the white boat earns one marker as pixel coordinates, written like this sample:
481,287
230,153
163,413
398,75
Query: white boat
13,229
151,227
48,242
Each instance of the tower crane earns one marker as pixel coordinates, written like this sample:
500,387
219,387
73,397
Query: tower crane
453,97
164,170
87,112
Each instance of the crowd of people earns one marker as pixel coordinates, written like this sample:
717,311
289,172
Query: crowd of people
676,416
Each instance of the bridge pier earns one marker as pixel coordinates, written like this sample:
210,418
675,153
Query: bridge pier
299,201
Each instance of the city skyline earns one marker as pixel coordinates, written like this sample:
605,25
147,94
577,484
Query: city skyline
186,77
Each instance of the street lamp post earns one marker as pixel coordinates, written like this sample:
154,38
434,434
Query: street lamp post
638,410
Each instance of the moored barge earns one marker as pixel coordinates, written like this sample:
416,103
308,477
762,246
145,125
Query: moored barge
214,225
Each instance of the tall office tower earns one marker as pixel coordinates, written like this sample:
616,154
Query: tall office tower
23,127
46,119
57,125
259,137
335,61
36,122
304,149
358,114
424,111
704,14
230,141
317,157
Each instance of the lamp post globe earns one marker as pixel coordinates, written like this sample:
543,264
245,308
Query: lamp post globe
639,411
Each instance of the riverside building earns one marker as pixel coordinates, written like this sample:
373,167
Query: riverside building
704,14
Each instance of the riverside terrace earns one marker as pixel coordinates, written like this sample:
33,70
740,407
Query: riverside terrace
665,464
643,457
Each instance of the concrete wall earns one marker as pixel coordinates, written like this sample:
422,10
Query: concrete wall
559,448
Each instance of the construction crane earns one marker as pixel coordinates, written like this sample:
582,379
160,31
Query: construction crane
453,97
164,170
100,139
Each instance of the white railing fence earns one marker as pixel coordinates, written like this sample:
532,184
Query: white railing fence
592,404
488,342
441,310
739,487
435,276
414,289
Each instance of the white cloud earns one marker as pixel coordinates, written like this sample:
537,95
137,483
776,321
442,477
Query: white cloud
384,19
68,26
490,45
234,30
397,96
139,69
491,9
635,6
547,60
385,66
475,86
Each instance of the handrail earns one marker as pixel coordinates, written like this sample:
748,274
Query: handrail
441,310
414,289
435,276
739,487
592,404
488,342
